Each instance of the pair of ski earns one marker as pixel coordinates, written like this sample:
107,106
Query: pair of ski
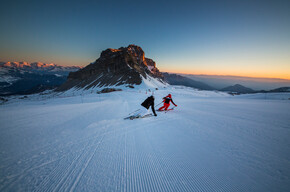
137,117
165,110
149,115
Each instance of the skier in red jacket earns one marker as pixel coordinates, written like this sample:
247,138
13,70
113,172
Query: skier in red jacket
166,101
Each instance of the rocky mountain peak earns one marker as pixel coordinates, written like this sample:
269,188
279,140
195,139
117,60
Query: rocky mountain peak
126,65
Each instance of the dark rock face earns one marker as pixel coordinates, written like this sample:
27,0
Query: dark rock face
108,90
114,67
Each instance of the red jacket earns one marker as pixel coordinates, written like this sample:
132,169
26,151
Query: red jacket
167,100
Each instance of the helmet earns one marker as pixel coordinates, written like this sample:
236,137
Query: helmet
169,95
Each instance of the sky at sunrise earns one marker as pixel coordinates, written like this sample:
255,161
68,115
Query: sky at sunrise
241,38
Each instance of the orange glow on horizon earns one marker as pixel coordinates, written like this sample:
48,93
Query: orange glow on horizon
238,74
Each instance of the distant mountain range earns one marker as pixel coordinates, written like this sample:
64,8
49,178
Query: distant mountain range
174,79
281,89
123,66
26,78
177,79
278,90
39,67
222,81
238,89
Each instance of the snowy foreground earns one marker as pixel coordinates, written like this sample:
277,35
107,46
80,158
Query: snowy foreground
210,142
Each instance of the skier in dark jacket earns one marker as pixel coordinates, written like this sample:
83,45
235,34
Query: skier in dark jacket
167,101
146,104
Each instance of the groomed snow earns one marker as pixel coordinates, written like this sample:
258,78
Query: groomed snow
210,142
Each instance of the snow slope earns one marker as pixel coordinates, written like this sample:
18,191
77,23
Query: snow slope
210,142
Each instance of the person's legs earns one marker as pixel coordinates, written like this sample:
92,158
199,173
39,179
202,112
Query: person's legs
160,109
166,106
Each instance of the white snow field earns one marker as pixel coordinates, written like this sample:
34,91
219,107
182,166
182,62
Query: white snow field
210,142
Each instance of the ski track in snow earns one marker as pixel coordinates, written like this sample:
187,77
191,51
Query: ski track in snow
208,143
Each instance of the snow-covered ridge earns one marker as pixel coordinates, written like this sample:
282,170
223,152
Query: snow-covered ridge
36,66
24,77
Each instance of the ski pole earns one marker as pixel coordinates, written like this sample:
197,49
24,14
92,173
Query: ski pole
158,104
134,111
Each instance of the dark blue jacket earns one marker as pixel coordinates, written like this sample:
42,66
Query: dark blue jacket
149,102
